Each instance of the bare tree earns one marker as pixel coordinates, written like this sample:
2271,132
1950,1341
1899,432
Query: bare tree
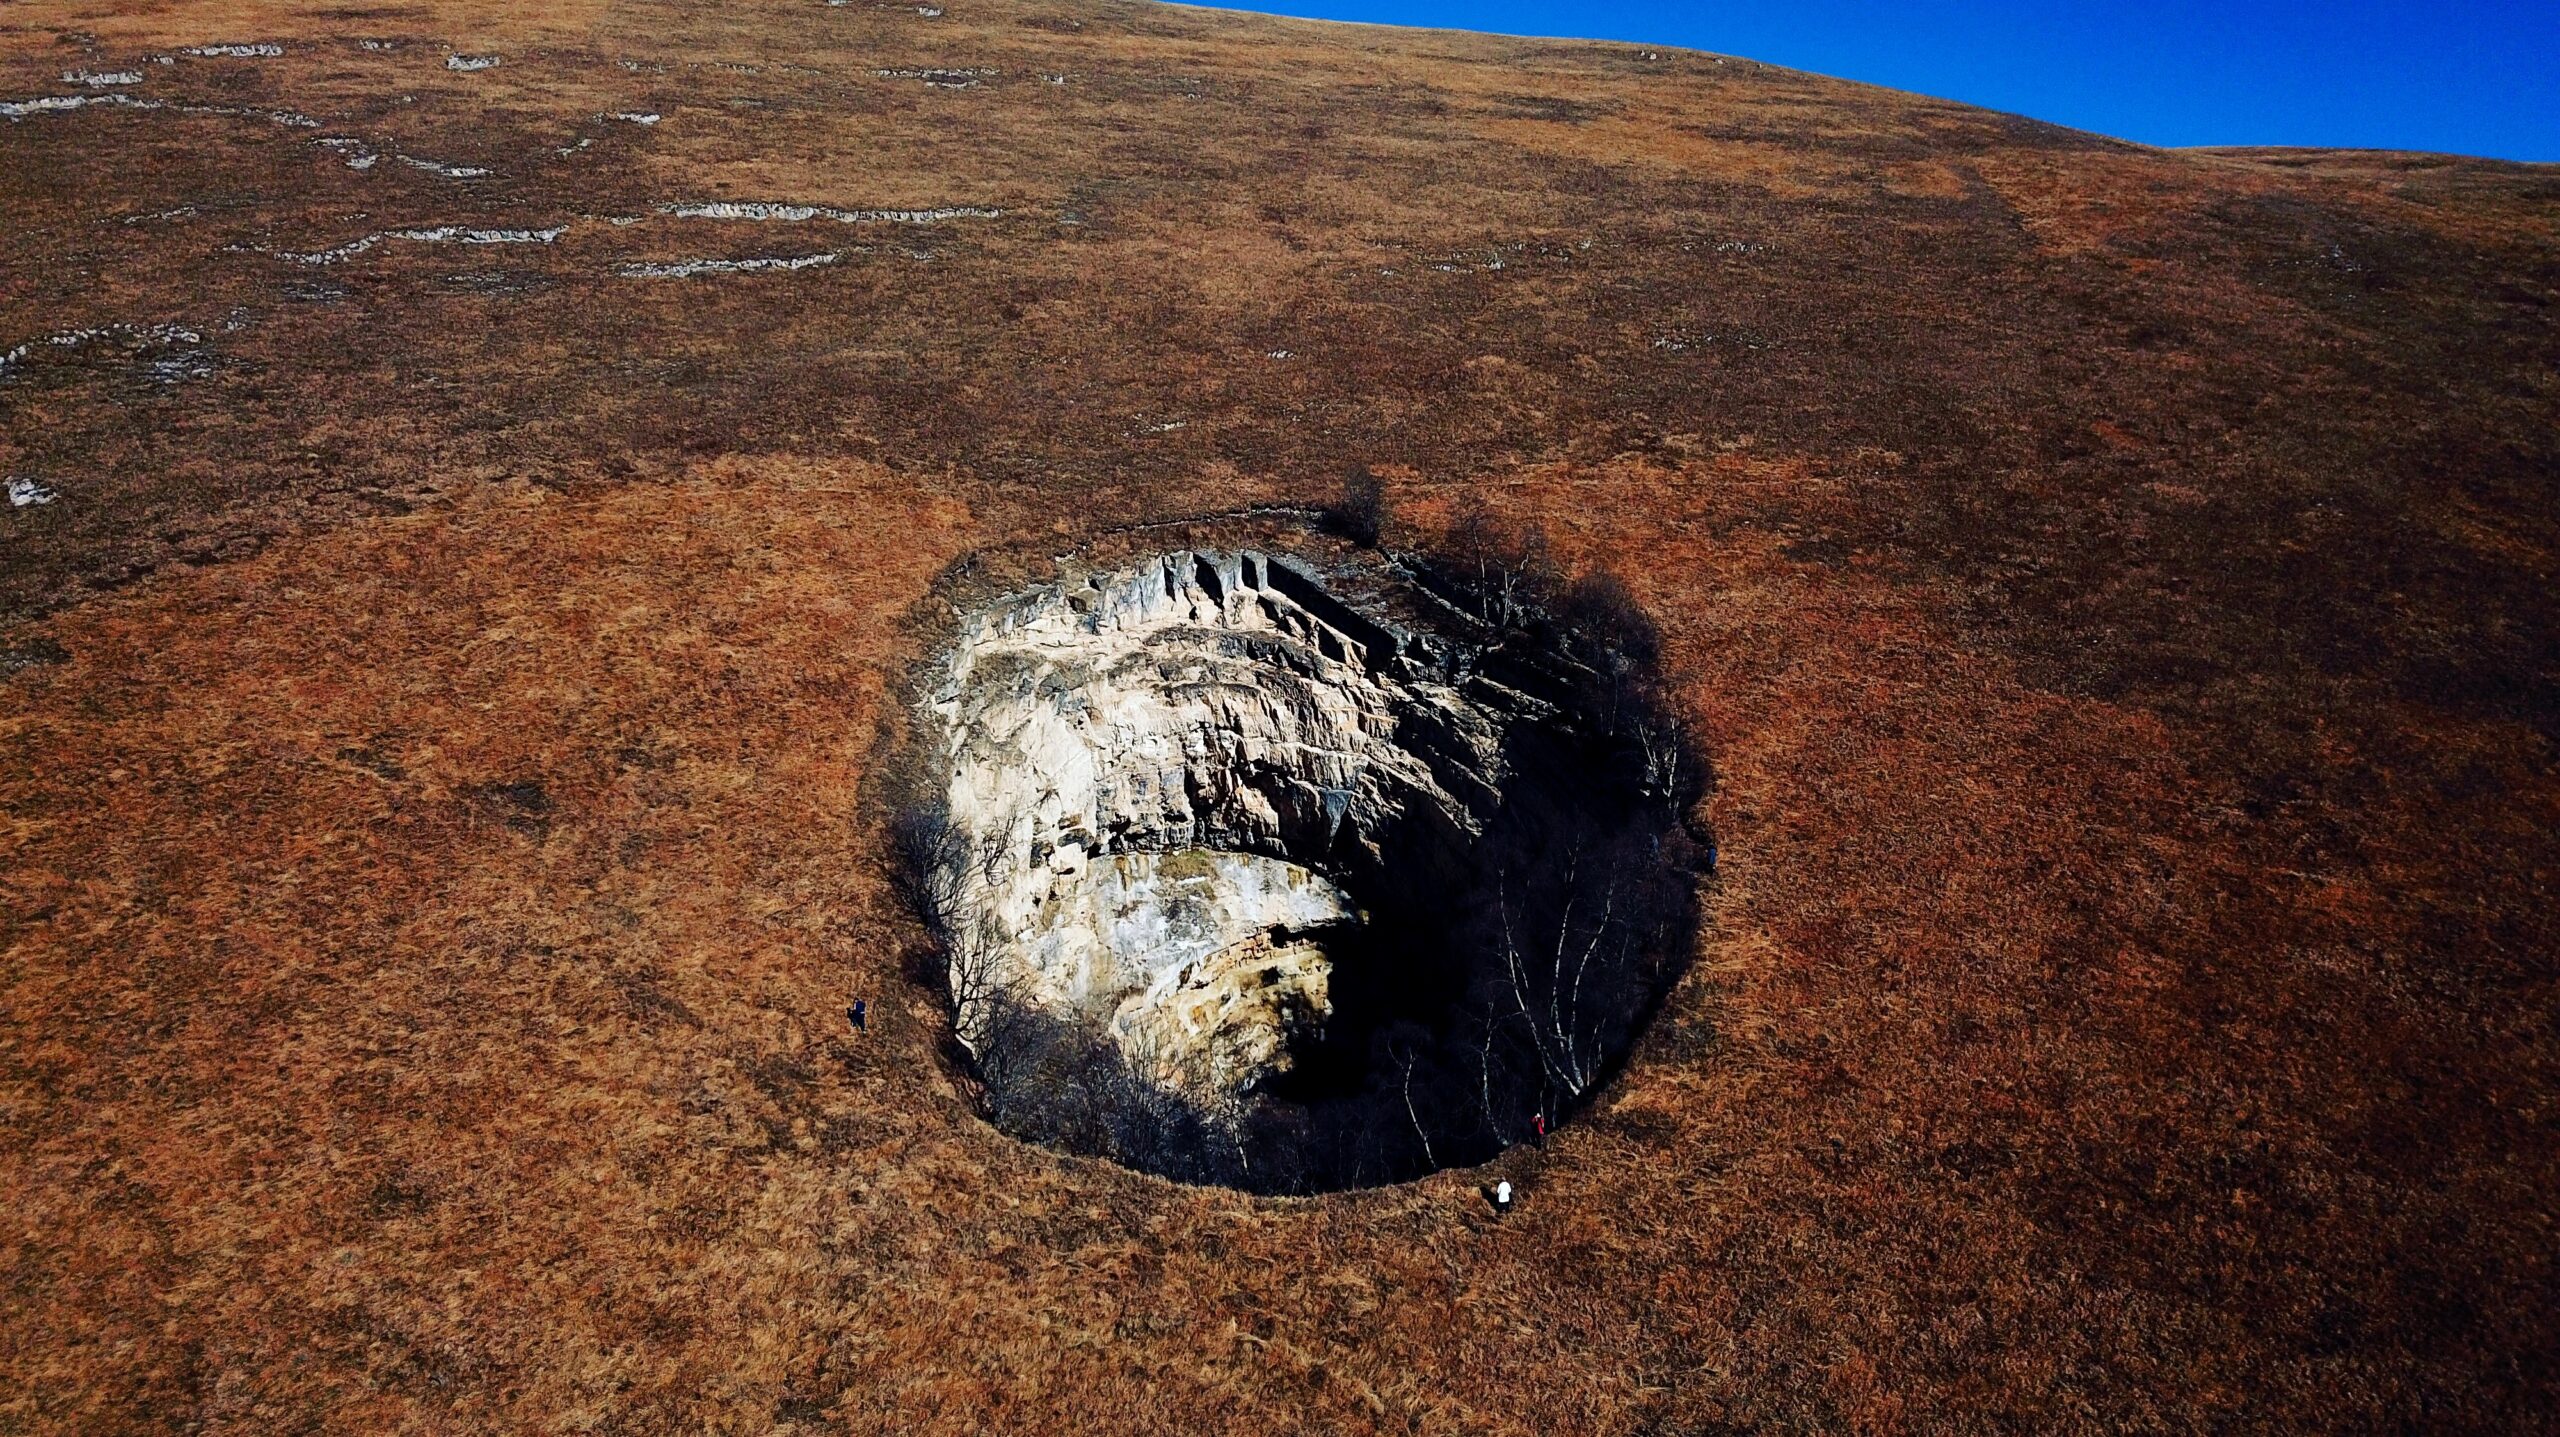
1608,632
1405,1044
1668,768
1360,513
940,864
932,861
1503,566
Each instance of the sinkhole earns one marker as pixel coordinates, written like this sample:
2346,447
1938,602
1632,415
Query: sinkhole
1296,875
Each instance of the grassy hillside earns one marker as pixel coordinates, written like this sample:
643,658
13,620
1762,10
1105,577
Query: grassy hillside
2115,587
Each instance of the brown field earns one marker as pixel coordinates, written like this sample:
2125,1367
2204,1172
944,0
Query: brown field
2116,588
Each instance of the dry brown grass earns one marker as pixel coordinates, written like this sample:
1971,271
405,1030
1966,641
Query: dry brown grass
2115,587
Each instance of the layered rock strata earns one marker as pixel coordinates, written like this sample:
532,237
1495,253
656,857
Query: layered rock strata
1164,782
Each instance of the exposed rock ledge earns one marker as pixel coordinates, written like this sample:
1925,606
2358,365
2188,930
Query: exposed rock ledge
1163,778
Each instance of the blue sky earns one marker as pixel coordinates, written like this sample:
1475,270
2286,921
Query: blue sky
2460,76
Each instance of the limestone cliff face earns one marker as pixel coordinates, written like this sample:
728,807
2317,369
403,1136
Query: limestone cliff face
1154,768
1198,948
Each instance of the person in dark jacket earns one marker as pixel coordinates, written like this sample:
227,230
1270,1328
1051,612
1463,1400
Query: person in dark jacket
859,1015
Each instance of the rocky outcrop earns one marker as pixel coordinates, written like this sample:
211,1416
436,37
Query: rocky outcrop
1161,776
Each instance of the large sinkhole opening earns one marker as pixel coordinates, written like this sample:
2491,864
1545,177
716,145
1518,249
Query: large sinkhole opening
1251,871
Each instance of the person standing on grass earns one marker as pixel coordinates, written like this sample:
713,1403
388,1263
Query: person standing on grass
859,1015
